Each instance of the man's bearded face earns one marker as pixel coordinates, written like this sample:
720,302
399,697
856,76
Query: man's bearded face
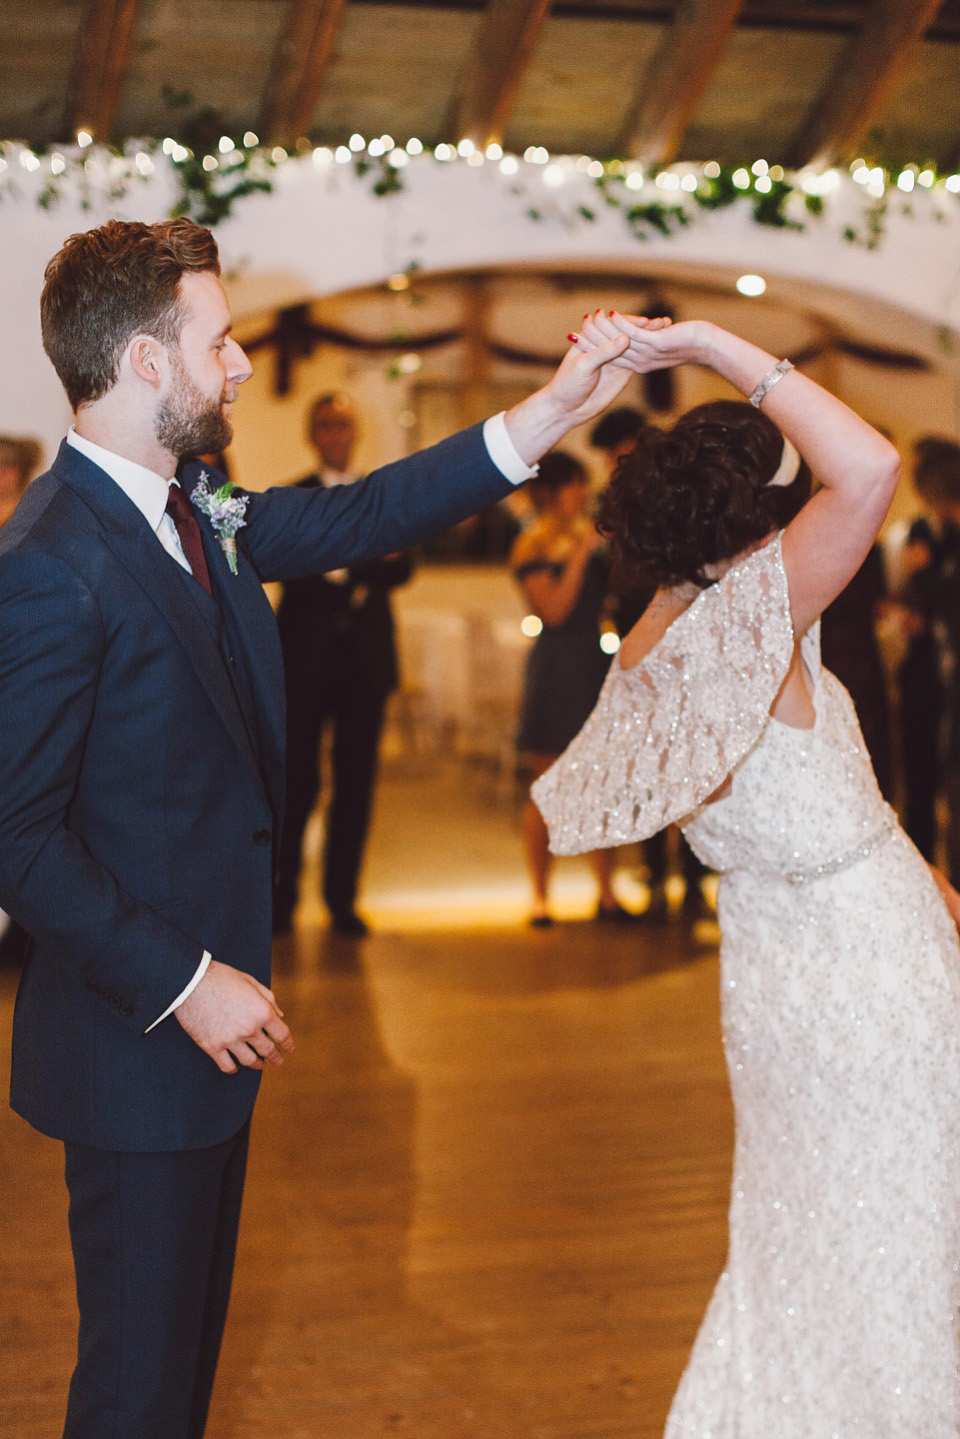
190,422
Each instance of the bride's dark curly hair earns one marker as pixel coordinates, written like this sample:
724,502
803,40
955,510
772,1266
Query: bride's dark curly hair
686,499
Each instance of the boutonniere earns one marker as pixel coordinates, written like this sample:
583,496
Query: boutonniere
225,511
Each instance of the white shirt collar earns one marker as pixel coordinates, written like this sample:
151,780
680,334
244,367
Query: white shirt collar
144,487
330,477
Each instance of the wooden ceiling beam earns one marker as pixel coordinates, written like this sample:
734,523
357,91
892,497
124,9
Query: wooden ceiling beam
500,54
841,114
99,67
300,64
676,77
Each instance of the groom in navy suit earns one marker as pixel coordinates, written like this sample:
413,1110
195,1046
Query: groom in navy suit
141,764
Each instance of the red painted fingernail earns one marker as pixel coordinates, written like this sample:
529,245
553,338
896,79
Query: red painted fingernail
573,338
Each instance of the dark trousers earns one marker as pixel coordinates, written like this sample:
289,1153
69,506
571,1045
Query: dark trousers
154,1237
655,854
356,715
921,712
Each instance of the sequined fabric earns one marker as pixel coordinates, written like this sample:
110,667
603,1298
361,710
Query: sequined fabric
837,1313
666,733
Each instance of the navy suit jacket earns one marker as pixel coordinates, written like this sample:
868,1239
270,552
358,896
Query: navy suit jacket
141,773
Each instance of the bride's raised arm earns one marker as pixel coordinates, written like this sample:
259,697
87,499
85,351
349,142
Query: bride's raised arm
825,545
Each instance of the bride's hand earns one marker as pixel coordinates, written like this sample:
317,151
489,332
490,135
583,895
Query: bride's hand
655,344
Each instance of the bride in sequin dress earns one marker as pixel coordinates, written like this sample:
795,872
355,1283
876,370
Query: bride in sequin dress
836,1316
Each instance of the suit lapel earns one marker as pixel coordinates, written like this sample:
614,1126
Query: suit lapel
129,537
252,631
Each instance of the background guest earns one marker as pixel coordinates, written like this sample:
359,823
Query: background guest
615,435
848,645
558,565
919,565
938,585
19,460
340,664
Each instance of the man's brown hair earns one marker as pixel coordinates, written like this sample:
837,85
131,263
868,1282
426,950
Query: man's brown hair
107,285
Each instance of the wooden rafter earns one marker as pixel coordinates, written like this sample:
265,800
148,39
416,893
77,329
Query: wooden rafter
676,77
300,64
99,67
840,116
501,53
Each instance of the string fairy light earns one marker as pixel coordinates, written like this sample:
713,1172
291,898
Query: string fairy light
212,181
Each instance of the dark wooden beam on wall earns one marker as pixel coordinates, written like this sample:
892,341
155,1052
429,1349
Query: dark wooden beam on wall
841,114
501,52
300,63
676,77
99,67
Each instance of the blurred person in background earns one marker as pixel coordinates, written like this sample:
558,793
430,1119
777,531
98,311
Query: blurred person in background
615,435
19,460
562,572
937,585
917,570
340,666
848,644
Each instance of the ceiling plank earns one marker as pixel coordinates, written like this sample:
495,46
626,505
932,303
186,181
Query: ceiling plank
99,67
841,114
300,64
676,77
500,54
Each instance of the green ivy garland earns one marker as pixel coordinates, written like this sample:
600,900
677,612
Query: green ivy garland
214,171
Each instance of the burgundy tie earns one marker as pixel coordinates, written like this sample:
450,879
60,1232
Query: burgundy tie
181,512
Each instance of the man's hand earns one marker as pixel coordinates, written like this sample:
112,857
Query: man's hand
235,1019
584,384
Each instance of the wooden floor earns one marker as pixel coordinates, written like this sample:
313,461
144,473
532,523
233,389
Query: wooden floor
486,1198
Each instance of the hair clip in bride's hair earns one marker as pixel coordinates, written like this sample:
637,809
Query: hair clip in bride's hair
789,466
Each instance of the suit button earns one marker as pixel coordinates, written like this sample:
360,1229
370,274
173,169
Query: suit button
262,836
116,1001
126,1010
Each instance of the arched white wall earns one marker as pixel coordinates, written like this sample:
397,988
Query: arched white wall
323,231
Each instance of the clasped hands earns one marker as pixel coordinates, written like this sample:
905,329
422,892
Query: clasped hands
654,344
607,349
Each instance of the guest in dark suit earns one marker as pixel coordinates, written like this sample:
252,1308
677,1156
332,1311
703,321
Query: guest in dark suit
340,665
141,781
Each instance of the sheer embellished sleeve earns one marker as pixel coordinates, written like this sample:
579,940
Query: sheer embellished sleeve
665,734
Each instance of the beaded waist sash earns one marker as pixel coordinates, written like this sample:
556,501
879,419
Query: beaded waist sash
841,862
838,863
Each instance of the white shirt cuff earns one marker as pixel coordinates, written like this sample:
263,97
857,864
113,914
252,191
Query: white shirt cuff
204,965
503,453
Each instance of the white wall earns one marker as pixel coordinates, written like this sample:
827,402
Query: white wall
323,232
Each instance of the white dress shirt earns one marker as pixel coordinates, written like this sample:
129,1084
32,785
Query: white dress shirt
148,491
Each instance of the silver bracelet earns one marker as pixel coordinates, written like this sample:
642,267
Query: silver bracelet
771,378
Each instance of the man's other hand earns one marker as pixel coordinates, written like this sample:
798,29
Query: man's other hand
235,1019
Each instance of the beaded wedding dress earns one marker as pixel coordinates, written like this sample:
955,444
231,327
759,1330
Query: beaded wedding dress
837,1313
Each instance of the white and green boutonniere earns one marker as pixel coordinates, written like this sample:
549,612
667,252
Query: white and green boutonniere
225,511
